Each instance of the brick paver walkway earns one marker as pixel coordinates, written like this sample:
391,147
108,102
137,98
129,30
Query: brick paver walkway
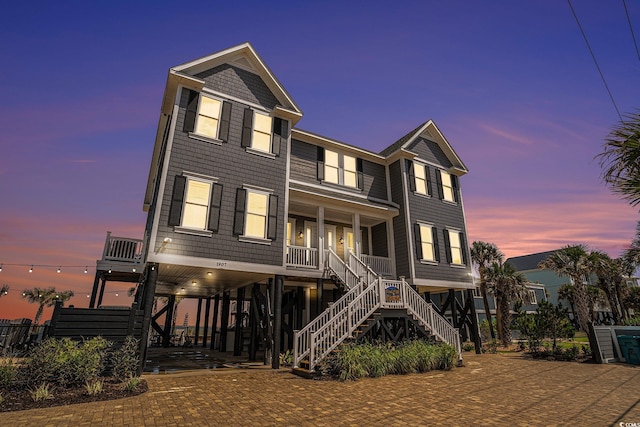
489,390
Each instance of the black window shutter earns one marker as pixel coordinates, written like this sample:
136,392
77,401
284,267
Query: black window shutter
447,245
418,240
456,191
190,114
463,249
225,120
439,185
320,163
272,226
214,207
238,220
427,173
280,131
360,167
247,127
177,199
436,247
412,175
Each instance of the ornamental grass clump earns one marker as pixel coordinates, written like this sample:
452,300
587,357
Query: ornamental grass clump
42,392
8,371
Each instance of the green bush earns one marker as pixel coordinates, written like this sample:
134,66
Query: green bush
632,321
354,361
94,388
131,383
124,361
65,362
42,392
8,371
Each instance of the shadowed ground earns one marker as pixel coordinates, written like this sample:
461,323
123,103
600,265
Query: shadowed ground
489,390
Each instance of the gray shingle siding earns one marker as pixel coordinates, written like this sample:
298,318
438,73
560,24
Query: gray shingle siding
379,240
429,151
234,167
239,83
399,223
304,167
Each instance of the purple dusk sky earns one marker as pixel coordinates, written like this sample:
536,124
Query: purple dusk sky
511,85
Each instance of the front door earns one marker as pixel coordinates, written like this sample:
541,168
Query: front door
330,237
349,242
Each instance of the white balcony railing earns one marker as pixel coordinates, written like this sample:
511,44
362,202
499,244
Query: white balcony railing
122,249
302,257
379,264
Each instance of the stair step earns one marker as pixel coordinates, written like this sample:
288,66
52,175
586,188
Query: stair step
301,372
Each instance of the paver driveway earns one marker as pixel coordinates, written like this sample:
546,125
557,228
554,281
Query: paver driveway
489,390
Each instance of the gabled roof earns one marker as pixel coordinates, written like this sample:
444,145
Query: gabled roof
242,56
529,262
430,131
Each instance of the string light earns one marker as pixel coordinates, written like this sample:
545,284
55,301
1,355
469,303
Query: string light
57,267
31,269
59,270
0,267
85,270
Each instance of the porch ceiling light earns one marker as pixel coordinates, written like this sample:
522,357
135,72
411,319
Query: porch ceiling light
300,234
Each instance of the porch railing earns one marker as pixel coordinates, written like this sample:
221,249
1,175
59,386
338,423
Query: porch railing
122,249
302,256
381,265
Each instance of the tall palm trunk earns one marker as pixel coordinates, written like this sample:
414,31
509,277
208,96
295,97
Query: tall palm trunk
581,300
499,322
487,310
505,320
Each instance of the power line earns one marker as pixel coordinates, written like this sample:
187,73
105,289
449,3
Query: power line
633,36
594,60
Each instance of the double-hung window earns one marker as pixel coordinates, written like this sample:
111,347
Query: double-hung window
426,241
256,214
419,178
341,169
263,133
447,186
456,250
195,204
207,117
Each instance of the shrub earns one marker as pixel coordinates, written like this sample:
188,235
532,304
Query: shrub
632,321
124,361
468,346
131,384
8,371
286,358
445,357
42,392
65,362
94,388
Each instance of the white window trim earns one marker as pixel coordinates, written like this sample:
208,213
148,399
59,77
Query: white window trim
341,170
203,137
192,176
433,261
253,239
444,199
455,264
426,179
251,148
533,299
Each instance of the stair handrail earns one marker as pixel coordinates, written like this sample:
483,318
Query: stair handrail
346,275
362,269
341,326
425,313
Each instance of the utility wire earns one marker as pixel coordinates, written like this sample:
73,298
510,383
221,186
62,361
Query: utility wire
633,36
594,59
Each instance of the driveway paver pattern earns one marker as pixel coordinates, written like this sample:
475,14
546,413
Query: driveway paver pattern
489,390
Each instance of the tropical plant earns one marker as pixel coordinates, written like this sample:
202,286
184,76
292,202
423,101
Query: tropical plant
611,281
621,159
4,290
507,285
574,262
565,292
484,254
45,297
632,299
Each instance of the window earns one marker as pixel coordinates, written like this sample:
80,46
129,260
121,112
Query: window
350,172
456,250
341,169
263,133
419,178
426,241
256,214
447,187
332,167
195,203
533,300
207,117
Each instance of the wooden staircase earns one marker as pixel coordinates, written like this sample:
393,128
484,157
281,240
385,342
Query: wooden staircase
370,300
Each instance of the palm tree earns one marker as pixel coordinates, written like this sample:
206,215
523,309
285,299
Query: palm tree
565,292
574,262
4,290
45,298
507,285
484,254
609,272
621,159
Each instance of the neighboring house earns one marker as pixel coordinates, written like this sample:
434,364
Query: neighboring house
243,205
528,265
535,293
